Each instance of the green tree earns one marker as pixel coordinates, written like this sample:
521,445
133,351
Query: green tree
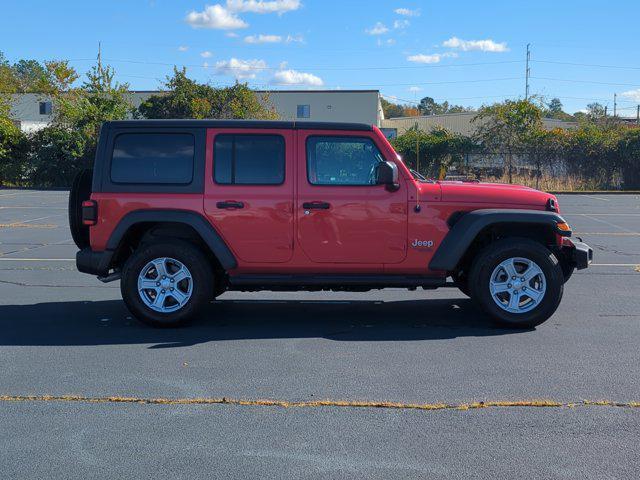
428,106
99,99
437,150
506,127
186,98
629,157
553,109
392,110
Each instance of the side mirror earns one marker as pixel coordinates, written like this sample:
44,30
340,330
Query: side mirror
387,174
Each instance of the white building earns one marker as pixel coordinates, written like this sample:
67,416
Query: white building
33,111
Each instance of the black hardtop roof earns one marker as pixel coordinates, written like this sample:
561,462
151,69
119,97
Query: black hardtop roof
238,124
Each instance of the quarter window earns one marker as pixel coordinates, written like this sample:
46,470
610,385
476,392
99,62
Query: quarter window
153,158
249,159
342,161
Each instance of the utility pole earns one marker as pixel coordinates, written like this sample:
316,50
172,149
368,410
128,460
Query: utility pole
615,104
100,56
638,115
527,73
417,148
605,111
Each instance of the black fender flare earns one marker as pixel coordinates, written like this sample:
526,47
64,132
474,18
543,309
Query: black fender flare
470,224
195,220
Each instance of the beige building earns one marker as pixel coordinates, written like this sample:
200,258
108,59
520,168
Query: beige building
460,123
33,111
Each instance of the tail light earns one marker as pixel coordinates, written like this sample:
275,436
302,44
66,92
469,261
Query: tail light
89,212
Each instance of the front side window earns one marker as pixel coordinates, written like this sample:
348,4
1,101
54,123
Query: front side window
246,159
342,161
153,158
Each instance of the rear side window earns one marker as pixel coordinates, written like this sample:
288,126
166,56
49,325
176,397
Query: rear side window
153,158
249,159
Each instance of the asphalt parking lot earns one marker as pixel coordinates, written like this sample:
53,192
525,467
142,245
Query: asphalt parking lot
63,333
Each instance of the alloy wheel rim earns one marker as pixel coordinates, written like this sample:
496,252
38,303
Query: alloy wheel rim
165,285
517,285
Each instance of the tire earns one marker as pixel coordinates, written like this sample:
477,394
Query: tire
80,191
510,303
193,284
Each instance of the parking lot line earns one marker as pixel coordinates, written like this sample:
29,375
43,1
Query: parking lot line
615,234
601,214
13,259
543,403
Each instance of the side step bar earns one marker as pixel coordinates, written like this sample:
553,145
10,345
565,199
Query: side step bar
304,282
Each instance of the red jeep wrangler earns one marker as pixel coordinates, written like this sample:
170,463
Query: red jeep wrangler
184,210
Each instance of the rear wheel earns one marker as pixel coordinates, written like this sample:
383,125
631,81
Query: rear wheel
518,282
166,284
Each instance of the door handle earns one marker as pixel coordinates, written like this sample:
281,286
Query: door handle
316,205
230,204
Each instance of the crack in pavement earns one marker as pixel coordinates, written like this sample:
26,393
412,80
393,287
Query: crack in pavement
320,403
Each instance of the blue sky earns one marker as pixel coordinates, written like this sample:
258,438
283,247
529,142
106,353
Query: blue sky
467,52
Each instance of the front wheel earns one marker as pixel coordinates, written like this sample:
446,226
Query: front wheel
518,282
166,284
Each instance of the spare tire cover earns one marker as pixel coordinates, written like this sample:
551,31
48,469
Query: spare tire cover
80,191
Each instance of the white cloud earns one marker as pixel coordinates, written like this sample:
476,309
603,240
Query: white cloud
422,58
231,35
225,17
293,77
183,48
257,39
240,68
206,54
215,17
388,41
431,58
634,95
414,89
407,13
378,29
487,45
400,24
294,39
263,6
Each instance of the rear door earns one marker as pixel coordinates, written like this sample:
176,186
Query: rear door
249,191
343,216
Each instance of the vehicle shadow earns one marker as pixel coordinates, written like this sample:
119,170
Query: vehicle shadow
109,322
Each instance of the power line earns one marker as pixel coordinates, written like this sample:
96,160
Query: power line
413,102
587,81
310,67
575,64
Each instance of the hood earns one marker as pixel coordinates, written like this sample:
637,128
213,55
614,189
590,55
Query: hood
494,194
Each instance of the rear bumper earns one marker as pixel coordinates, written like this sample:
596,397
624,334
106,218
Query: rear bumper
582,255
95,263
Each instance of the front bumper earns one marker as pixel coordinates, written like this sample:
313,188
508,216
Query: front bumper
582,255
95,263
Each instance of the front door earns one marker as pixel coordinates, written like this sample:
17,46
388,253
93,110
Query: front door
249,192
342,215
